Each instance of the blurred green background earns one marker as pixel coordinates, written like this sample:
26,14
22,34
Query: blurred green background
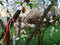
47,40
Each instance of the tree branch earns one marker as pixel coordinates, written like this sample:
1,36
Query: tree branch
39,23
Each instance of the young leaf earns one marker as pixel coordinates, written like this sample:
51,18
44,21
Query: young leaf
18,2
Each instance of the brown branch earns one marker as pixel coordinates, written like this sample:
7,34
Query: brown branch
15,16
41,33
27,1
19,30
19,26
40,38
39,24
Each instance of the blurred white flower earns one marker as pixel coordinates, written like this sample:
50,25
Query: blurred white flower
56,23
3,12
44,19
22,24
38,19
4,19
31,25
22,15
22,36
24,39
52,29
28,9
24,4
56,30
51,20
23,31
59,44
54,44
51,17
17,23
14,24
1,42
51,34
17,38
17,29
19,8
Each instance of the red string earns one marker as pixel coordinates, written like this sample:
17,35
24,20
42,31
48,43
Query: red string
6,39
6,34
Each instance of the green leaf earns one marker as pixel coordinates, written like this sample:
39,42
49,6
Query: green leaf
53,9
0,19
18,2
32,5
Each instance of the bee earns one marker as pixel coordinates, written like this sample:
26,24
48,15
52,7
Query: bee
23,9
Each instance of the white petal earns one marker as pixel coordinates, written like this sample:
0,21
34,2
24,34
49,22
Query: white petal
32,25
17,38
52,29
51,34
54,44
19,8
44,19
23,31
22,25
56,30
51,21
24,4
